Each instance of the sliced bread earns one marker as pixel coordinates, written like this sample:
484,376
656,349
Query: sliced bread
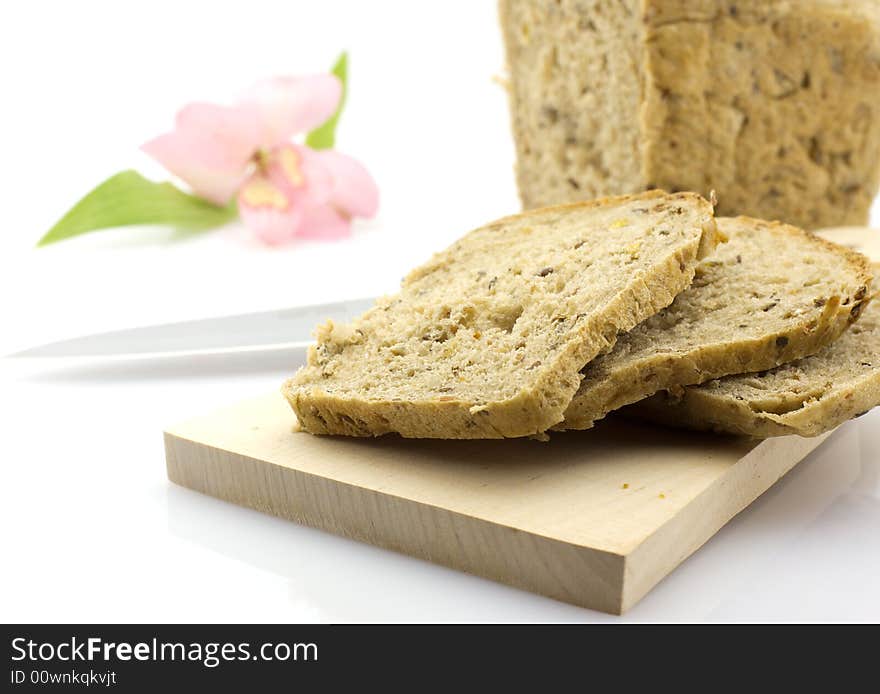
488,338
771,294
807,397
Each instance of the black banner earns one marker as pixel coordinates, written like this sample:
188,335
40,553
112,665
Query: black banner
127,658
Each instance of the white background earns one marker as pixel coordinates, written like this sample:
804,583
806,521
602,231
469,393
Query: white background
92,531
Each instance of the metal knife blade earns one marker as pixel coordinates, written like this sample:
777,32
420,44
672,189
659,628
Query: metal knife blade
290,327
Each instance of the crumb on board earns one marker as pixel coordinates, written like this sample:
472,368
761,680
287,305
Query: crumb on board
625,485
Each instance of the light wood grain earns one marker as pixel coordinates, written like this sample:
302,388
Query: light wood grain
592,518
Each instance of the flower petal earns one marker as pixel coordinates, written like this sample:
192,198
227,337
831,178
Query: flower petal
289,106
295,170
272,202
324,222
267,211
293,195
318,178
210,148
233,129
197,164
354,190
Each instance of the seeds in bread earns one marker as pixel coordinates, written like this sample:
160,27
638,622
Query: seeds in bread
806,397
774,104
487,339
770,295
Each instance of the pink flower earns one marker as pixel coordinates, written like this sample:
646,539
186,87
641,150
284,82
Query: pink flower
285,190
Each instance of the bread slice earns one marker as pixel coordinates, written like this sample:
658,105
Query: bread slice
807,397
771,294
487,339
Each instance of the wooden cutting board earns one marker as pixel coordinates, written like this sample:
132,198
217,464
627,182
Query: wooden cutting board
594,518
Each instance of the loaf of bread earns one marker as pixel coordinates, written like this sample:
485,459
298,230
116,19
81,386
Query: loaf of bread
770,295
774,104
488,338
807,397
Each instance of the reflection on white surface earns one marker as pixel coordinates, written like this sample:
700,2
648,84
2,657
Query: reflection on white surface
828,566
97,533
752,556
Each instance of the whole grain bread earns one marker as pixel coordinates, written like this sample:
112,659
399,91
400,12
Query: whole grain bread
772,103
807,397
772,294
487,339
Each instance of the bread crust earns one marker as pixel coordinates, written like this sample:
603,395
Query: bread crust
838,384
325,404
650,360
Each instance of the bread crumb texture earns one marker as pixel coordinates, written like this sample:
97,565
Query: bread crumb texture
772,294
487,339
774,104
806,397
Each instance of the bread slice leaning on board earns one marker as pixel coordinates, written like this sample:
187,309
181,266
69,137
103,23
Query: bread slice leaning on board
807,397
769,295
488,338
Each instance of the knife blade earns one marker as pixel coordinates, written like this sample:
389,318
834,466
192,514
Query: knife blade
289,327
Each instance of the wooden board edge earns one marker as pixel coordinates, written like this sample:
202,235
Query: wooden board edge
582,576
696,523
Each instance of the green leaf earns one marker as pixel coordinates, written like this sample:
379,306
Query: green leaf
128,198
324,136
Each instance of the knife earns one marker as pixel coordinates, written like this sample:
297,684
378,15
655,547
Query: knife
285,328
